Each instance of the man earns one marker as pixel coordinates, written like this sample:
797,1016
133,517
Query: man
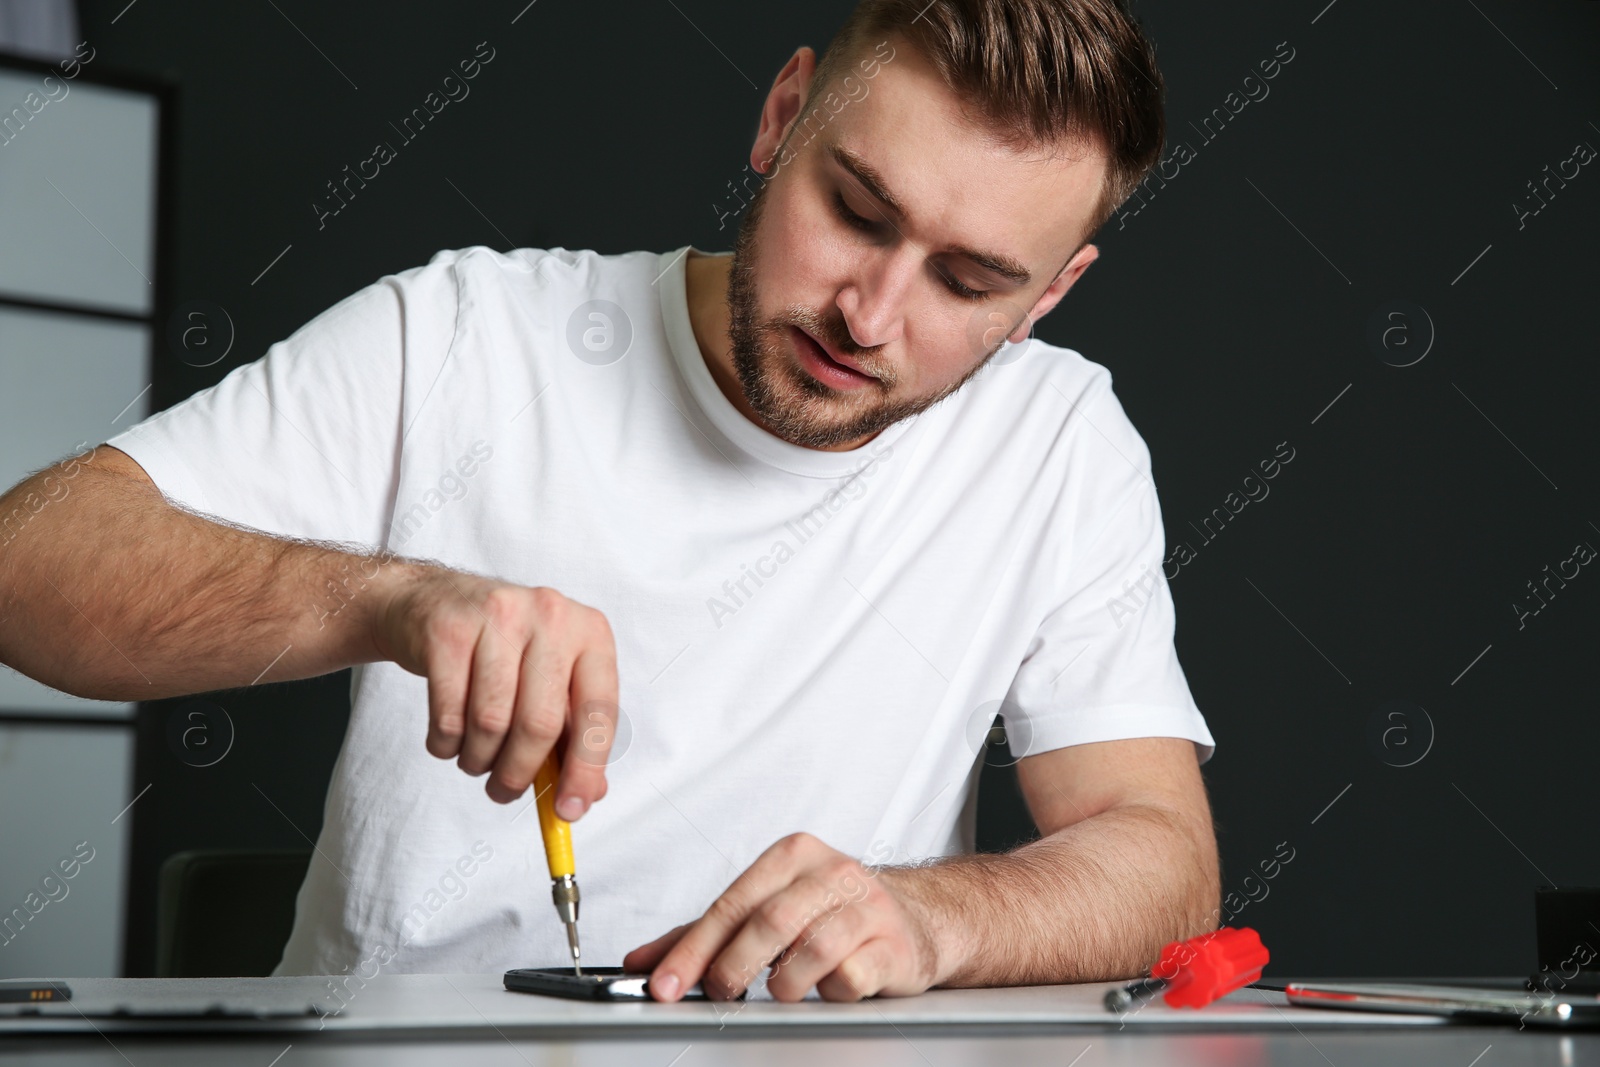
768,534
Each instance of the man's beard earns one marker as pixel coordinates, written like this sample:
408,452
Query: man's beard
793,404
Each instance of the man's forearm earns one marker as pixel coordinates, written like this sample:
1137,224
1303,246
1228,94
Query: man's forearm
109,592
1095,901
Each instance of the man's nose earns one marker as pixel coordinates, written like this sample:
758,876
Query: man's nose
874,299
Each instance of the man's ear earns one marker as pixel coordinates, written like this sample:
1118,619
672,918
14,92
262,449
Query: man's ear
1055,291
782,107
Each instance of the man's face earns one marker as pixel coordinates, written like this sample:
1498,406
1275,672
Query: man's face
888,291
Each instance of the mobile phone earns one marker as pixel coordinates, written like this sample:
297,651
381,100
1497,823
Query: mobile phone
596,983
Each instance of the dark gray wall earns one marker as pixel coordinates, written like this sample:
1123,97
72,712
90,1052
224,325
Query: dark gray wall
1383,165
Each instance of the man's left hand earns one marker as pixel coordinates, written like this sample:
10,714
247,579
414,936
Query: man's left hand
816,916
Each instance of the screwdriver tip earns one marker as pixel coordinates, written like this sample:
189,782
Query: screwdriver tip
572,940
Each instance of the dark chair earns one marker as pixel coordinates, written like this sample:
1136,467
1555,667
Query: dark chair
226,912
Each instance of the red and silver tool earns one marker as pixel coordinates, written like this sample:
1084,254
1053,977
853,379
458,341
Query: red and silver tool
1195,972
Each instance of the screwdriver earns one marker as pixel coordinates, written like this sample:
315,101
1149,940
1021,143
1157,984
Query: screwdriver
557,833
1195,972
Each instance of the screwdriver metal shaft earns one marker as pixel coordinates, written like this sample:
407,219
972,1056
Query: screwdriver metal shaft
564,891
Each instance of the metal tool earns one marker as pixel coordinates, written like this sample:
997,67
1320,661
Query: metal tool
557,833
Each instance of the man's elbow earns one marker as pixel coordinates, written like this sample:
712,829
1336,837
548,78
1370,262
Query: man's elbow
1202,904
1193,870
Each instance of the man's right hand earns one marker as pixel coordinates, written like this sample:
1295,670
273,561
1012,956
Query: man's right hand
511,671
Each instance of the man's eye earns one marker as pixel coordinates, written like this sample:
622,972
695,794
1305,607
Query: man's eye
850,218
963,291
954,285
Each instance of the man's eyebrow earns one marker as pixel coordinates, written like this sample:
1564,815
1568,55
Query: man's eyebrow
868,176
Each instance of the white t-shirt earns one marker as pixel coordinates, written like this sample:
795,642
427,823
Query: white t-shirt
806,640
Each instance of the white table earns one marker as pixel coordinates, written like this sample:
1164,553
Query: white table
404,1019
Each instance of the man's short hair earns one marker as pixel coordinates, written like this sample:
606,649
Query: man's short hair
1033,74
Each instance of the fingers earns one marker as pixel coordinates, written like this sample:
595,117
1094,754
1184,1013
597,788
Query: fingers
688,961
647,955
536,724
865,972
491,696
846,949
806,928
504,665
810,913
569,656
448,665
593,725
536,619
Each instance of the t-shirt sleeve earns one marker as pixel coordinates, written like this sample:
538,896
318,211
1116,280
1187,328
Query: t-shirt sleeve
1102,665
305,441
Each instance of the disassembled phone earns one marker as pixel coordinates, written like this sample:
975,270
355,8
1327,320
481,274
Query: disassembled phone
596,983
1488,1005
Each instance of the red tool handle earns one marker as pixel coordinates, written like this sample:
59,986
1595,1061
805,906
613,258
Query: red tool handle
1212,965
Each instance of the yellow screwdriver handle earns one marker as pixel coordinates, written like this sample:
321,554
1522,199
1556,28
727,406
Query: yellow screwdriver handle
556,830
